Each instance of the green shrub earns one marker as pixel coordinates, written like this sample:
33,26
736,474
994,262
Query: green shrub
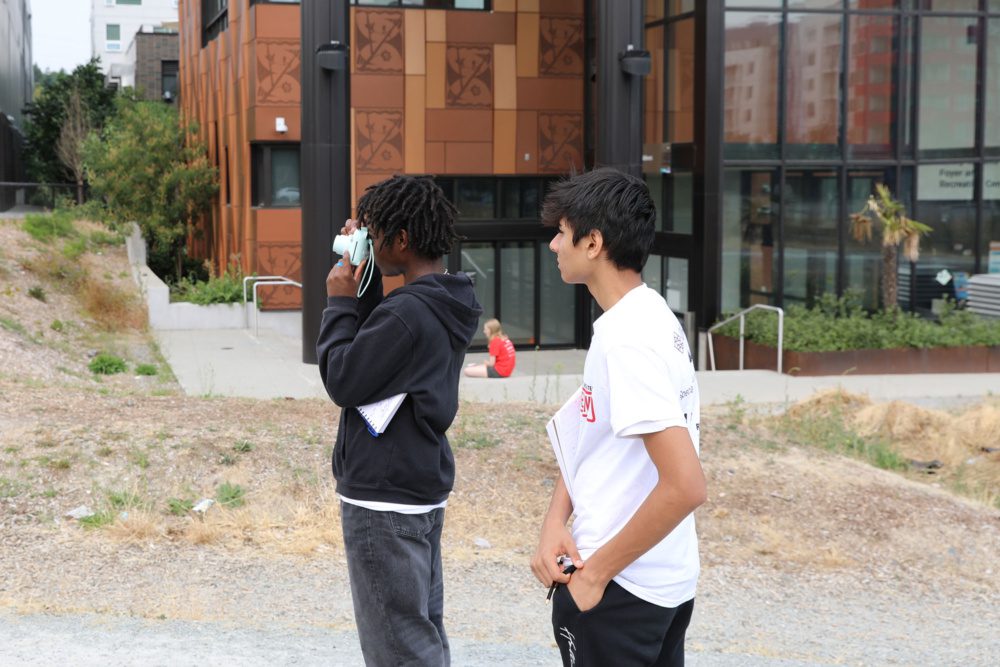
179,506
106,364
835,324
75,247
47,226
57,325
37,292
243,446
145,369
230,495
227,288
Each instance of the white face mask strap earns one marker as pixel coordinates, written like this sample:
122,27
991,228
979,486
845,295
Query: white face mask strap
366,278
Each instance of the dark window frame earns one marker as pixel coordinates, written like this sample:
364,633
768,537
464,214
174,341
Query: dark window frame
214,19
261,185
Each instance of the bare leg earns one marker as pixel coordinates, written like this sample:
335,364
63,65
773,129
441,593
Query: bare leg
476,371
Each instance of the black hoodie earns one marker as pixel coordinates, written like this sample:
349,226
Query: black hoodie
411,341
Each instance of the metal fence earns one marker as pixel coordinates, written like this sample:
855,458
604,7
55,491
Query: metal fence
15,194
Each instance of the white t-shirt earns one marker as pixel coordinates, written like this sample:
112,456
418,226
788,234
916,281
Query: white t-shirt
638,378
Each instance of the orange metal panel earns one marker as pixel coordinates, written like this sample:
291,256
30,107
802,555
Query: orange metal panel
505,76
504,142
415,128
468,157
415,42
459,125
527,44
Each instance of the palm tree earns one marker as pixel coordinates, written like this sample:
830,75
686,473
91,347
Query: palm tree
896,228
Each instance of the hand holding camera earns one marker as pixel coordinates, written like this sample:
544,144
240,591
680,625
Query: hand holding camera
353,245
346,275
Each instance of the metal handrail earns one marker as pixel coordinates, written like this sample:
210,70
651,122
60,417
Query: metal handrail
262,280
742,318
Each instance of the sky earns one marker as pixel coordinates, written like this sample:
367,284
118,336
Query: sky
60,33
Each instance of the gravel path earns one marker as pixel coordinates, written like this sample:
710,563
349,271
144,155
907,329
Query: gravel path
280,615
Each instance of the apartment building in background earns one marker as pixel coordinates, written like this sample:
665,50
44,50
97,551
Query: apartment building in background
764,124
16,85
114,25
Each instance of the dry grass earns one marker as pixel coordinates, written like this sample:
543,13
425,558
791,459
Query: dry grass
112,307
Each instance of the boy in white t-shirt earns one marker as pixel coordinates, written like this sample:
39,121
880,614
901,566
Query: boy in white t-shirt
628,444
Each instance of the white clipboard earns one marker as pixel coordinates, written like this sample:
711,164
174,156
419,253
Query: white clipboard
377,415
564,434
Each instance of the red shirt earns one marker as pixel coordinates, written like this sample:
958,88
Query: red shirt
502,350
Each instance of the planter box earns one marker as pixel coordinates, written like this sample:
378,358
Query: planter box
972,359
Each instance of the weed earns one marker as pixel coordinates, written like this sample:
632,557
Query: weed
37,292
74,248
105,451
60,464
830,432
121,500
145,369
98,519
49,493
57,326
11,488
230,495
45,227
106,364
179,506
103,238
113,308
140,458
227,460
12,325
243,446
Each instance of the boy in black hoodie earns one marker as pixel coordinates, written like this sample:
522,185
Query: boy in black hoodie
394,487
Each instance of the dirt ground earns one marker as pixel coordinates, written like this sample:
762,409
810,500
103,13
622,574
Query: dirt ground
785,521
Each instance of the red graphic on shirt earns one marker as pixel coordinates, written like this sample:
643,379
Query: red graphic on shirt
587,403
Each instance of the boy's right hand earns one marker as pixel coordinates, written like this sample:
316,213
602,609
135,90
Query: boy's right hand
555,541
350,226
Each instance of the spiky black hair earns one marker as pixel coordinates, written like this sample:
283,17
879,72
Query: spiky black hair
416,204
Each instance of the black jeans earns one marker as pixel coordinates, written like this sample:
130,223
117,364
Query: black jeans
622,630
394,563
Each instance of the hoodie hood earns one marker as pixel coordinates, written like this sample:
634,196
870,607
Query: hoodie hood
452,300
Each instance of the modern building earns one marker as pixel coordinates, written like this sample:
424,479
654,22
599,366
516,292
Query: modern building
152,68
114,24
16,85
761,125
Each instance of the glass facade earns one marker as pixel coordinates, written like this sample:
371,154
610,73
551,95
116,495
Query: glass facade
820,100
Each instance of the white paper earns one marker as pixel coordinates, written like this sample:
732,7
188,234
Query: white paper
380,413
564,434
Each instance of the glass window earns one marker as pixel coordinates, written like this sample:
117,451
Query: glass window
947,104
214,19
945,203
517,292
128,2
675,7
478,261
168,81
427,4
113,32
871,4
475,198
652,89
749,219
653,11
863,259
652,273
950,5
521,198
991,218
992,112
680,81
676,292
813,85
776,4
815,4
678,214
751,84
810,235
871,88
274,180
557,316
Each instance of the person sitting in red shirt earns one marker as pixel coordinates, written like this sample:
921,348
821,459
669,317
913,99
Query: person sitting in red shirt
502,355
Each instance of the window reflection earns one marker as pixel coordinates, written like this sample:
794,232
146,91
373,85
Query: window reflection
992,83
557,315
810,238
991,219
813,81
680,61
751,84
750,215
863,259
478,261
947,85
517,292
945,203
871,89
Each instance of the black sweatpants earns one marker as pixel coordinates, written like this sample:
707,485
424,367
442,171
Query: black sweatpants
622,630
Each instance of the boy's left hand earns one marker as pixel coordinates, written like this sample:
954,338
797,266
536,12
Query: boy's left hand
343,278
586,591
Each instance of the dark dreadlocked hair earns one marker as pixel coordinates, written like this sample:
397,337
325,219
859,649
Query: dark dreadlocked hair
416,204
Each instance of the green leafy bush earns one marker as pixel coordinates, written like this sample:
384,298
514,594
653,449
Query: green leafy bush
835,324
37,292
227,288
145,369
230,495
106,364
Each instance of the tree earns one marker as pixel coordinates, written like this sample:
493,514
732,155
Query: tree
897,228
148,169
74,132
46,115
